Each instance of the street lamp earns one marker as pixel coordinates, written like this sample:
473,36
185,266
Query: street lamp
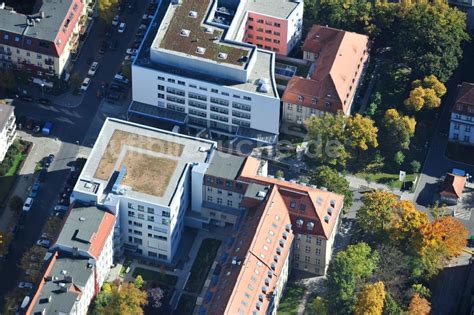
42,90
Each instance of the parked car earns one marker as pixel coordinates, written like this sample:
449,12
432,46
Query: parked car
30,124
114,96
121,79
122,27
85,84
93,68
37,127
147,17
48,126
103,48
102,90
131,51
35,189
116,20
42,175
60,208
25,285
27,205
44,101
43,243
143,27
116,87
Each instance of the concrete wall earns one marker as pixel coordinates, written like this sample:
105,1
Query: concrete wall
7,136
264,110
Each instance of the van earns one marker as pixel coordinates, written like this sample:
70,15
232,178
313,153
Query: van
120,78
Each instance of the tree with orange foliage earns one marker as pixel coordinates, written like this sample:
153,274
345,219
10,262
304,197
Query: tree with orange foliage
419,305
451,233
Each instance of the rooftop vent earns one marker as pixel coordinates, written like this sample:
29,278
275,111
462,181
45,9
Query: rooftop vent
208,30
222,55
82,219
45,300
193,14
261,194
184,32
200,50
243,59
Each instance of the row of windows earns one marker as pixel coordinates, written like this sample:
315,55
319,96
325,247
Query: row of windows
269,40
219,192
261,21
276,49
219,201
150,210
307,259
213,90
213,214
466,138
466,128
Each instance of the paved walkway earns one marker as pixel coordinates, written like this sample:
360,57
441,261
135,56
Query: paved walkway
358,183
303,302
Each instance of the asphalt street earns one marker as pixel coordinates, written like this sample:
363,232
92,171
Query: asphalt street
71,126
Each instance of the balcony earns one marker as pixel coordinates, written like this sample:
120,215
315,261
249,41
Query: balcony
49,62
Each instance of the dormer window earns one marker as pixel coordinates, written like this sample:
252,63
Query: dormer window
300,98
314,100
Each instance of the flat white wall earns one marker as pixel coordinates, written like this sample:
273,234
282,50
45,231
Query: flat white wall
461,128
264,112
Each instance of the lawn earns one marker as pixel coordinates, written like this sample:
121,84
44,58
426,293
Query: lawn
291,299
385,178
10,165
185,305
202,264
160,278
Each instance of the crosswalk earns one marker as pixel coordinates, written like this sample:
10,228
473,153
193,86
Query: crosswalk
462,214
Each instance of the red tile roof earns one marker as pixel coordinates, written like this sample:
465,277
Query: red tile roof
256,260
306,205
465,100
453,185
337,70
98,239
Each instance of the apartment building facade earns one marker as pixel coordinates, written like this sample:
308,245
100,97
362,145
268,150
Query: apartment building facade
221,83
273,25
7,129
45,41
461,129
338,59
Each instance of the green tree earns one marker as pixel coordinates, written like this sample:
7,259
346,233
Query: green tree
391,306
327,138
415,166
429,38
377,212
376,100
279,174
139,282
346,272
398,130
324,176
16,203
124,300
7,80
399,158
317,306
421,290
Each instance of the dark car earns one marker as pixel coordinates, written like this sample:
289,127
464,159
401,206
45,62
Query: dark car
51,158
135,45
102,90
103,48
132,4
114,96
44,101
116,87
30,124
26,98
38,126
42,175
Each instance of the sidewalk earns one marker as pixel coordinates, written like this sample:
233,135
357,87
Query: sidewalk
358,183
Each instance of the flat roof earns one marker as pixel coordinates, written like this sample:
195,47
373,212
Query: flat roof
225,165
5,113
83,229
262,69
275,8
47,28
179,20
62,286
123,145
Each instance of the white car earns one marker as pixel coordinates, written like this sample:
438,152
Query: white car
121,27
93,68
85,84
116,20
147,17
44,243
25,285
132,51
28,203
122,79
